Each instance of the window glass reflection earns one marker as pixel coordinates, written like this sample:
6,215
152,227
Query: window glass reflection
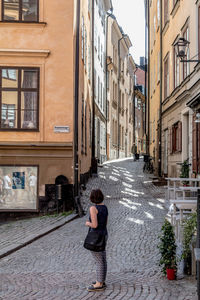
11,10
29,10
9,78
8,116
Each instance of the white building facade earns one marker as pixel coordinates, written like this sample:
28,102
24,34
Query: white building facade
100,9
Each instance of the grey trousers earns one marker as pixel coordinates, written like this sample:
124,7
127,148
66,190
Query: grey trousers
101,265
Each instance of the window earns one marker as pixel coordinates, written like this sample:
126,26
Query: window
122,137
195,146
19,94
158,65
99,47
166,11
113,132
82,38
20,10
82,125
166,77
158,13
85,48
89,7
176,70
185,64
98,90
154,28
176,138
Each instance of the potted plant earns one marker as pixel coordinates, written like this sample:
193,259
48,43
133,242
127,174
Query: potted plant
167,249
184,172
189,229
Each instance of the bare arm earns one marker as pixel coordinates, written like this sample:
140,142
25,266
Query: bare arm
94,221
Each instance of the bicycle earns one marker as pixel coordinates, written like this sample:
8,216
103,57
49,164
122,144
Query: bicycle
148,166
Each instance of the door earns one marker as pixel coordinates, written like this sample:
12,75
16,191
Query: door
165,158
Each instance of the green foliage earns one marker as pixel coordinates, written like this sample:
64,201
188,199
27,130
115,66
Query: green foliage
167,247
54,215
185,169
189,228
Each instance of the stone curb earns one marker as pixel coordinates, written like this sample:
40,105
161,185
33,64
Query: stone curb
10,249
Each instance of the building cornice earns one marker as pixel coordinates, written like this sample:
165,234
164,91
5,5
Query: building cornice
24,52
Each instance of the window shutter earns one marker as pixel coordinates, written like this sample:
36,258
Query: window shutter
194,146
171,140
180,136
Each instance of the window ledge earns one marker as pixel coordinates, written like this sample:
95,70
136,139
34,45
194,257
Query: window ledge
175,8
23,24
24,52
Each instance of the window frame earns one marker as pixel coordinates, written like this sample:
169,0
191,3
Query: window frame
176,70
20,14
19,90
186,66
166,76
176,137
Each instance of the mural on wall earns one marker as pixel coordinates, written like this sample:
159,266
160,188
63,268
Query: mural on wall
18,187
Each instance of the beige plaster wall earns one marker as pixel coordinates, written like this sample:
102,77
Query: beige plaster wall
56,70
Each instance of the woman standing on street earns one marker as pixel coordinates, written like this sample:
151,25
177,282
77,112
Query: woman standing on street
97,222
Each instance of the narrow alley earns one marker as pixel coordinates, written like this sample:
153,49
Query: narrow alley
58,267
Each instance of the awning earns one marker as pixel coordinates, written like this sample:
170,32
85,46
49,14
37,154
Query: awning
194,101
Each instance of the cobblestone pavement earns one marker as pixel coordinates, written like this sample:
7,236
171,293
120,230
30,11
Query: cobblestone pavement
58,267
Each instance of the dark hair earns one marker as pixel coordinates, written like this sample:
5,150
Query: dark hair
96,196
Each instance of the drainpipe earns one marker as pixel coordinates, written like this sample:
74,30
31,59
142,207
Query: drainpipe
94,160
161,85
146,74
76,93
148,78
134,89
119,75
106,68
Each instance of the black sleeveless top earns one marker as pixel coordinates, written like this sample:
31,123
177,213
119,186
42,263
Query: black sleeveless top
102,217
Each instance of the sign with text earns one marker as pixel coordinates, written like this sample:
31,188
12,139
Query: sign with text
61,129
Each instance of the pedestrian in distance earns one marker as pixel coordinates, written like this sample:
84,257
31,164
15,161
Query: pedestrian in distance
97,223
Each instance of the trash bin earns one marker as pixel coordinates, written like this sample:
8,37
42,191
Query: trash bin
146,157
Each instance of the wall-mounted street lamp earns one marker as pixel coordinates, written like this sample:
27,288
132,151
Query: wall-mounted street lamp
181,49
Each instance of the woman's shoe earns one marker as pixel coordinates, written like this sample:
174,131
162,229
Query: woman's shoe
104,284
91,288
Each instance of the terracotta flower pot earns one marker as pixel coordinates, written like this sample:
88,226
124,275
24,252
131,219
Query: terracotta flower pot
171,274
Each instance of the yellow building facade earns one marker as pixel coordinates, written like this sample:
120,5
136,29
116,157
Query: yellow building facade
154,82
37,93
180,85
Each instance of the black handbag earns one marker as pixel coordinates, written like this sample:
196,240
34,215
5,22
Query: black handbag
95,241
